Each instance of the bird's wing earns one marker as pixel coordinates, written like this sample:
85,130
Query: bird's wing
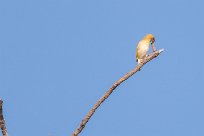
138,50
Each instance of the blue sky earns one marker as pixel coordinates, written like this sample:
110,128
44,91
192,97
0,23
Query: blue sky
58,57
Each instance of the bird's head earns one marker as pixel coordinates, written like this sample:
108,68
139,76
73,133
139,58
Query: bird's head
150,38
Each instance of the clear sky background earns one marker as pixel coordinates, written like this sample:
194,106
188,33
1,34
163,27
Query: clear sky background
58,57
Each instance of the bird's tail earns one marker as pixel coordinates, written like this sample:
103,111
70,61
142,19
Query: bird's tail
139,60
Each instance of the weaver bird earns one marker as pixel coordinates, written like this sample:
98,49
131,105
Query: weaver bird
143,47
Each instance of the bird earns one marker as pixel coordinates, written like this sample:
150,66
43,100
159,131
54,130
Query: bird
143,47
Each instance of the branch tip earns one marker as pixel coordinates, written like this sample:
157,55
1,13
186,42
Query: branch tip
161,50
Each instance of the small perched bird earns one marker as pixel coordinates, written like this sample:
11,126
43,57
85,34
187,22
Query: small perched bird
143,47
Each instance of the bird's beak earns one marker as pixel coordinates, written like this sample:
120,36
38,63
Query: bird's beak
153,41
153,47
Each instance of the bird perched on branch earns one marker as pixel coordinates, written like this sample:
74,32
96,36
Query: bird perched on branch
143,47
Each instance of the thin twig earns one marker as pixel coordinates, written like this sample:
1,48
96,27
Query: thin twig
2,122
110,90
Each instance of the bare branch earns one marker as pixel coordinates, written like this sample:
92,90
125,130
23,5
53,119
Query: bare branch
2,122
113,87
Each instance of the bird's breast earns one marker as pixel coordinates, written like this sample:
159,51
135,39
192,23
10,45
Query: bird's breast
145,48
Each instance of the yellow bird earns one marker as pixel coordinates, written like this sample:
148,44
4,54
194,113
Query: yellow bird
143,47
